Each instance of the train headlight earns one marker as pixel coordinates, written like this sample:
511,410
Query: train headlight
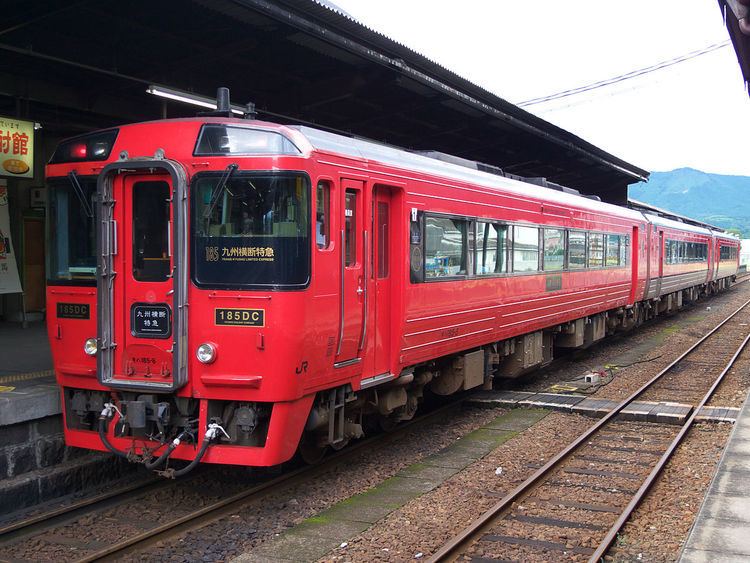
91,346
206,353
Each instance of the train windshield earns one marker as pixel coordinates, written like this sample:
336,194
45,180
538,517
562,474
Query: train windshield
251,231
72,238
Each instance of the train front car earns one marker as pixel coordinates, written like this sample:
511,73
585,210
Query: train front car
188,290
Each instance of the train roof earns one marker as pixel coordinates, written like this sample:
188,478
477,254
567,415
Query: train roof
673,224
446,166
456,168
653,210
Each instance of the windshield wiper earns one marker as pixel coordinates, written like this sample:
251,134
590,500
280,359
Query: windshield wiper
220,186
73,177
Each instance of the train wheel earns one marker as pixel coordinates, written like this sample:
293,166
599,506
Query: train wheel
340,445
387,423
310,449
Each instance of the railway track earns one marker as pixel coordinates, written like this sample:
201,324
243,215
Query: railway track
574,506
59,525
96,508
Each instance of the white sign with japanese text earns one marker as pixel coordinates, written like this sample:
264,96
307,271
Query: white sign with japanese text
16,148
9,282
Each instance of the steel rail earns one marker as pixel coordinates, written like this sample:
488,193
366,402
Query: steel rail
659,467
212,512
57,516
43,521
452,549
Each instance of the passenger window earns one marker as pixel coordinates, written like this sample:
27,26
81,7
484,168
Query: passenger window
323,215
576,250
613,250
350,228
554,249
596,250
624,244
151,253
416,253
490,248
673,252
383,239
525,249
445,247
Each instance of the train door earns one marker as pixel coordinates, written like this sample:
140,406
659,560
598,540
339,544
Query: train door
634,249
649,253
142,286
352,274
381,278
716,258
660,253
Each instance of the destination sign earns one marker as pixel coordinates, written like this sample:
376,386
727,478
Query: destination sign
151,320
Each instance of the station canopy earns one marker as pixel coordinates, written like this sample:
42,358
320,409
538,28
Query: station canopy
86,65
737,18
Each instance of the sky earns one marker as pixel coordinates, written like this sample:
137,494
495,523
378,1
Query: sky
693,114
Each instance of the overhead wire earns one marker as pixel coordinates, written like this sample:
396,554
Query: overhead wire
627,76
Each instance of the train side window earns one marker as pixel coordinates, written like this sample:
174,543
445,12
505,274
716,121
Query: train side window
445,247
554,249
485,249
503,246
350,228
672,252
151,262
525,249
576,250
383,240
490,250
613,250
624,245
596,250
416,249
323,215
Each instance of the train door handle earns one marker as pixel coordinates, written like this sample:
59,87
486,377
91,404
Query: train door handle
360,291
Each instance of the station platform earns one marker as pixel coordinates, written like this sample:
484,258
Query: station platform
35,464
720,532
27,382
25,350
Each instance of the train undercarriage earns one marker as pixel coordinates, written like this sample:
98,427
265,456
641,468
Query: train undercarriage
340,415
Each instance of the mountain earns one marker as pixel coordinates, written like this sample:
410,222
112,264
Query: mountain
718,199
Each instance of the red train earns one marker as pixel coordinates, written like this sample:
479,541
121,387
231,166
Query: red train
227,291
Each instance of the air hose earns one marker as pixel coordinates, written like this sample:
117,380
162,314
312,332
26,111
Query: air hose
211,434
168,452
107,413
